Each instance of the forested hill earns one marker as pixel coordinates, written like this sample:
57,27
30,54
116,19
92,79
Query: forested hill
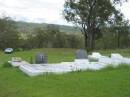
29,27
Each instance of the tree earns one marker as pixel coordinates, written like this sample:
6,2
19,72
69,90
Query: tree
41,38
121,35
52,31
120,28
114,36
8,34
90,15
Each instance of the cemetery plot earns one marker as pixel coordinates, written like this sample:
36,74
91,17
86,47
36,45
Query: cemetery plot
81,63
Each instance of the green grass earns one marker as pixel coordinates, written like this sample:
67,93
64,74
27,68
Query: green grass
124,52
109,82
54,55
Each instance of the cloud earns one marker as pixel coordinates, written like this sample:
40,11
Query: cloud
49,11
125,9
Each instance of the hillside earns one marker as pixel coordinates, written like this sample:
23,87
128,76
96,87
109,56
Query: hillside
29,27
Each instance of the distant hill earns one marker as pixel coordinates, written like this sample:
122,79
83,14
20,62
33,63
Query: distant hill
29,27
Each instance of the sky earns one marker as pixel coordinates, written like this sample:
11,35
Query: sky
41,11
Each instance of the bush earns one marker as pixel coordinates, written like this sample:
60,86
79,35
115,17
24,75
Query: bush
6,65
19,49
31,60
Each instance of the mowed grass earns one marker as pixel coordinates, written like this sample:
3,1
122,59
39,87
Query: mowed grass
109,82
54,55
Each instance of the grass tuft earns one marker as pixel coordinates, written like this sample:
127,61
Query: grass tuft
6,65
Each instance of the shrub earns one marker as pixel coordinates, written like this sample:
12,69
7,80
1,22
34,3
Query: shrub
19,49
31,60
6,65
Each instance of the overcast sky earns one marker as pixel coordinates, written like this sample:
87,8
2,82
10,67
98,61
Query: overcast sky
41,11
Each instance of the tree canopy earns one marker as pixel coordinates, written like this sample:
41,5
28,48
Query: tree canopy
91,15
8,34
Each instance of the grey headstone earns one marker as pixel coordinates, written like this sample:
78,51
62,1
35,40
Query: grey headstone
81,54
41,58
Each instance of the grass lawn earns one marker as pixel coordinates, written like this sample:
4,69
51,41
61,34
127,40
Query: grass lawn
109,82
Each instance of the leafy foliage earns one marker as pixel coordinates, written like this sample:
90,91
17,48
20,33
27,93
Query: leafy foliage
52,38
8,34
90,16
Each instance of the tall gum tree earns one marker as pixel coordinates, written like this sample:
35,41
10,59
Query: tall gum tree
90,16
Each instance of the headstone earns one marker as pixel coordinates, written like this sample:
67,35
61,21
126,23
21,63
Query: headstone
41,58
81,54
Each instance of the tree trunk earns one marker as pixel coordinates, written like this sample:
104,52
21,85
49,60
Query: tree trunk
89,40
86,40
118,39
93,41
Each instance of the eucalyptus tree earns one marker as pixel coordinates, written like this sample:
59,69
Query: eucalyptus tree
90,16
8,35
